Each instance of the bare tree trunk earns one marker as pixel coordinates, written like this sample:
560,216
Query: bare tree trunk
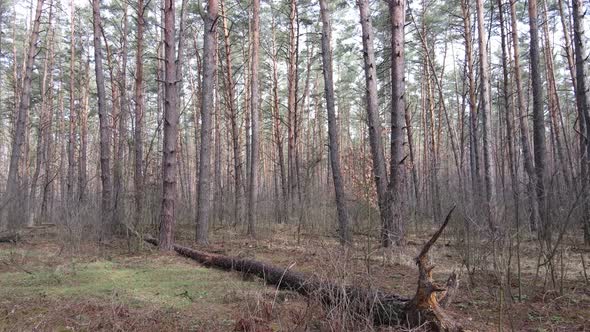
14,188
484,74
182,169
253,190
278,136
513,168
82,173
119,185
49,172
44,125
409,132
292,101
218,198
473,142
207,108
105,131
538,121
524,130
373,119
61,133
169,160
233,117
583,103
343,218
138,177
73,111
554,105
569,53
397,15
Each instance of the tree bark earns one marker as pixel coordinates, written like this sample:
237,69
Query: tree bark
138,177
343,218
119,183
583,103
83,118
409,132
291,102
233,117
44,125
538,121
396,228
569,53
373,119
105,132
254,159
561,148
484,74
169,158
522,122
207,109
473,142
14,187
277,126
73,111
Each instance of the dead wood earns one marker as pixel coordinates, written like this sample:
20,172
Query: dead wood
424,309
10,237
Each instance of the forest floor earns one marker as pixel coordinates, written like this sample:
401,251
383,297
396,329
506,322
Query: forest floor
46,286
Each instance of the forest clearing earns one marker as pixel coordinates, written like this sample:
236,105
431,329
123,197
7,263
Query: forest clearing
294,165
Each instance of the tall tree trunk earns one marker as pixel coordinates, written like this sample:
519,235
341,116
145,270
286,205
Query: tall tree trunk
14,189
409,132
233,117
373,119
292,101
105,131
473,142
253,190
513,168
119,183
522,121
82,173
538,121
169,159
484,74
554,105
207,109
343,218
583,103
73,121
44,124
397,16
277,126
138,177
569,53
218,192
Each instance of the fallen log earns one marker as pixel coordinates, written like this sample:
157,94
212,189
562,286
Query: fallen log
424,309
10,237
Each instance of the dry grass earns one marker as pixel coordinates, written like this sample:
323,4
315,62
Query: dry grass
46,287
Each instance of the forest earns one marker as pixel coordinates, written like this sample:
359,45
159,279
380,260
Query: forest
294,165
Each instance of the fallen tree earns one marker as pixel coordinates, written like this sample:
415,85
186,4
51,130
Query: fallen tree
425,309
9,237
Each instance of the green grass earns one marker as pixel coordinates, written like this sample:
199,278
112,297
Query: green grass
168,284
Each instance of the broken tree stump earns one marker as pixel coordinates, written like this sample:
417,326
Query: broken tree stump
424,309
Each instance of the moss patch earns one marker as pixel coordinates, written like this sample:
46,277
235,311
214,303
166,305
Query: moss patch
163,281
